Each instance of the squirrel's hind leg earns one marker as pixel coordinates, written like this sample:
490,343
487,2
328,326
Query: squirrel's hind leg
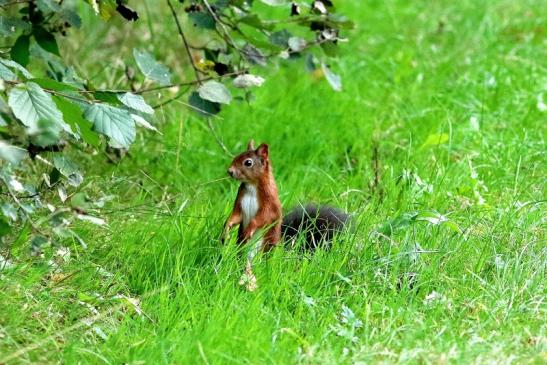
248,278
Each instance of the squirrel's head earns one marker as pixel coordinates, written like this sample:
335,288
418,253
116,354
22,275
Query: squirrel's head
249,166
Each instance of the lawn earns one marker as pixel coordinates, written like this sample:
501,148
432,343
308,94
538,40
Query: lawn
435,145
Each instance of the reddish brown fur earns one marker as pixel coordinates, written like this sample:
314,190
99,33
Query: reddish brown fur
269,212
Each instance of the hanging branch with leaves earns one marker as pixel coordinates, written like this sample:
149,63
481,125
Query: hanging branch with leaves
48,110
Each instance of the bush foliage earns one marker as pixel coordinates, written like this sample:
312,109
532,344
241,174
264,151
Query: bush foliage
50,114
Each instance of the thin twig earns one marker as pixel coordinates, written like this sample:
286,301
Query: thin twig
23,196
197,109
225,34
53,92
219,141
16,200
165,102
185,83
228,38
293,20
186,46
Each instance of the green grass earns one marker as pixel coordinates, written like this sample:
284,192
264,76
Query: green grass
479,292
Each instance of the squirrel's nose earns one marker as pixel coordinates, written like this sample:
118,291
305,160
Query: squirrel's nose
231,172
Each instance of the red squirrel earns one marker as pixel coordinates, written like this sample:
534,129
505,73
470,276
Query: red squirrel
257,203
257,206
257,209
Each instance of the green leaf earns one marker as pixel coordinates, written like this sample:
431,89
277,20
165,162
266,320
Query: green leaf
87,298
135,102
330,49
30,103
10,26
202,106
65,166
435,139
68,169
115,123
340,21
47,133
281,38
37,242
139,120
3,105
17,67
311,62
260,45
54,177
12,154
92,219
216,92
80,201
46,40
435,218
402,221
223,4
48,6
7,74
9,211
407,219
71,17
254,21
254,55
431,216
20,50
108,97
334,80
453,226
5,228
151,68
72,114
202,19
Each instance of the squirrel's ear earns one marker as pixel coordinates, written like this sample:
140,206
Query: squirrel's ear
251,145
262,150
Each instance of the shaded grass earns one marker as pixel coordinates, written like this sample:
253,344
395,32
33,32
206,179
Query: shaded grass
478,293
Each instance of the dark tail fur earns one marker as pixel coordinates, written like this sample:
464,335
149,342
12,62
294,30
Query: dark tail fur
317,224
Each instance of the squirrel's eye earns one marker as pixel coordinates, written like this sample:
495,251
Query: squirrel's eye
248,162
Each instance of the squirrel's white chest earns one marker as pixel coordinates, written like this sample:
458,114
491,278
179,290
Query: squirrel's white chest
249,204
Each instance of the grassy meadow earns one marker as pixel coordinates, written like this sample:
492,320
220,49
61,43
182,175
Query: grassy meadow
439,132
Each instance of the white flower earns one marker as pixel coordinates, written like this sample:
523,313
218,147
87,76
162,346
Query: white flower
247,80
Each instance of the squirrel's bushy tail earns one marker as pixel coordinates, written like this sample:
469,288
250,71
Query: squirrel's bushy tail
317,224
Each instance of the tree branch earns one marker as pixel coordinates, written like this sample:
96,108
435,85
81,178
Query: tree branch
165,102
217,20
186,83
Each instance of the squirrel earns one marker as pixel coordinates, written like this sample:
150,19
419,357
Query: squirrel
257,208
